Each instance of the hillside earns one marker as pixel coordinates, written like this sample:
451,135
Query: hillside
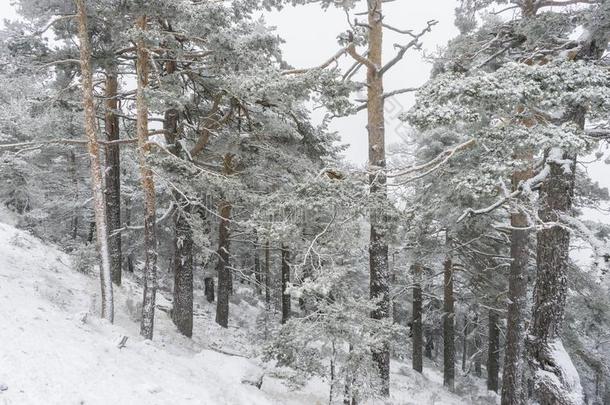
55,350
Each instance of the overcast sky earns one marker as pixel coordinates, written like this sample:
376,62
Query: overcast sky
311,38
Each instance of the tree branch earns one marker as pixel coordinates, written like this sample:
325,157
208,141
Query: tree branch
351,50
404,48
334,58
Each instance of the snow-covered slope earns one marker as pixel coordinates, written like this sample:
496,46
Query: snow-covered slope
55,350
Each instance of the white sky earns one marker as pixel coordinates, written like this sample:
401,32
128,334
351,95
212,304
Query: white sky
311,33
310,36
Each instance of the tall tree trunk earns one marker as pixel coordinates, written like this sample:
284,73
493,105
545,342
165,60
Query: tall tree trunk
493,351
465,345
477,345
128,222
550,290
417,327
267,275
448,327
97,179
148,187
182,311
378,246
286,304
224,274
113,173
512,376
182,263
74,175
258,275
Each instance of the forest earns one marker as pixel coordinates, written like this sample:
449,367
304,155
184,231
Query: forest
181,222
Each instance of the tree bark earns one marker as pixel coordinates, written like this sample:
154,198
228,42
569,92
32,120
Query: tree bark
74,175
182,263
267,275
378,246
512,376
417,327
286,303
477,345
97,179
209,289
113,174
550,290
224,274
493,351
448,327
148,187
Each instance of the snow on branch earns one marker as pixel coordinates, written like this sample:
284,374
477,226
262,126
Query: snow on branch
334,58
524,187
432,165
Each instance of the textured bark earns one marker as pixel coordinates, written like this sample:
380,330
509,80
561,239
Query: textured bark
97,179
258,275
182,263
378,246
224,274
550,290
148,187
448,327
429,347
182,311
113,174
477,346
209,289
267,275
286,299
465,345
493,351
417,327
74,175
128,222
512,376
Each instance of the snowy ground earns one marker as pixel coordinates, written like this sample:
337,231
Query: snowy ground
55,350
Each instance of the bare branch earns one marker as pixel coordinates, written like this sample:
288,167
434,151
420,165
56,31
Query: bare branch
351,50
404,48
386,95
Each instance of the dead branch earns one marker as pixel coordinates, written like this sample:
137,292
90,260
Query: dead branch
404,48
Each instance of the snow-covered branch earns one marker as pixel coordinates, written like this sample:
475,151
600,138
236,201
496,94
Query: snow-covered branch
432,165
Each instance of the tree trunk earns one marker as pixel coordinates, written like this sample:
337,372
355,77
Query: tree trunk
267,275
113,174
128,222
258,276
224,274
550,290
97,178
465,345
182,263
417,327
477,345
286,304
148,187
182,311
74,175
493,351
209,289
448,327
512,376
378,246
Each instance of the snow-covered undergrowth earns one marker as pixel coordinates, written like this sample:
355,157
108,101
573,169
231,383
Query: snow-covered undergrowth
55,350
